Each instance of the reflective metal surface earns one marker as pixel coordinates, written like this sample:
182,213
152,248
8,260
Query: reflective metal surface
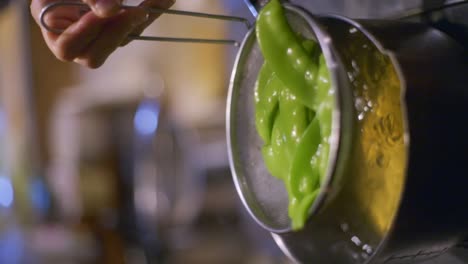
432,217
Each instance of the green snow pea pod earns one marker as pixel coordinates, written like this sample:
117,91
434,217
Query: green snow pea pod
273,150
324,110
291,121
266,94
283,51
323,104
300,209
303,178
266,102
293,110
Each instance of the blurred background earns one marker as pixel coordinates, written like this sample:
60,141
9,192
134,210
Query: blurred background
127,163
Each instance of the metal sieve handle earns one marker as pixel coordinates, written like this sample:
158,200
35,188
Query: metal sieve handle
51,6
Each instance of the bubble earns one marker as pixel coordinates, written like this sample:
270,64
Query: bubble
356,241
361,116
359,104
351,76
381,160
344,227
390,129
355,66
367,248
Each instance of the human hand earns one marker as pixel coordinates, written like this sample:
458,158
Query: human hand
89,39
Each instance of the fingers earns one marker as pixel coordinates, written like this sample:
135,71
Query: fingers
89,39
111,37
56,17
78,32
104,8
77,37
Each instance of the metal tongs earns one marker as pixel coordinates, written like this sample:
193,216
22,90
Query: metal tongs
253,6
152,10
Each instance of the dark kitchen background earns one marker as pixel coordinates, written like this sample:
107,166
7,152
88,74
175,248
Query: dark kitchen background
128,163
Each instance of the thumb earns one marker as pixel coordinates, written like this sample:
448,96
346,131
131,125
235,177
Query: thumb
104,8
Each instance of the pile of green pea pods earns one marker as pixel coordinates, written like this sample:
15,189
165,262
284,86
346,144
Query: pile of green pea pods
293,110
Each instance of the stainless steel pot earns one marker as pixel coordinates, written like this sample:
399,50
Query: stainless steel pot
430,214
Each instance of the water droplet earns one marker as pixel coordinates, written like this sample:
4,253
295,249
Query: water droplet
308,75
294,132
314,161
303,185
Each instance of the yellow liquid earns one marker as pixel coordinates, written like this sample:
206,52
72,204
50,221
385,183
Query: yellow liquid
379,156
374,178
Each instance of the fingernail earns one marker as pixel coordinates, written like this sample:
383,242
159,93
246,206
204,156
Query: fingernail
106,7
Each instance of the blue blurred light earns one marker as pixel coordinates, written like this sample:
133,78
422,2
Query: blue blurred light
12,246
146,119
39,195
3,122
6,192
